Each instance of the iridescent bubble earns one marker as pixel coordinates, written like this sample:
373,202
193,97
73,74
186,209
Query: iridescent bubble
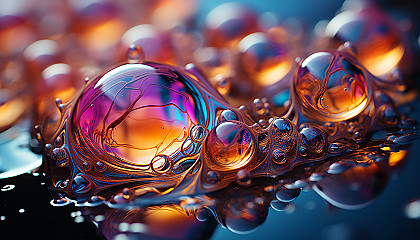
228,23
375,35
229,146
331,86
263,60
156,108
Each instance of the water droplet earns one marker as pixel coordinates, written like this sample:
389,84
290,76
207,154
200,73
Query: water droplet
279,205
7,187
81,184
339,167
79,219
313,140
75,214
60,156
212,177
21,210
278,156
337,147
229,146
100,166
161,164
412,209
287,195
228,115
315,177
2,218
138,228
202,214
282,128
258,106
333,102
135,54
99,218
198,133
243,177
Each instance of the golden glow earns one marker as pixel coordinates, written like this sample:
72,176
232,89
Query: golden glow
380,64
397,157
104,35
11,111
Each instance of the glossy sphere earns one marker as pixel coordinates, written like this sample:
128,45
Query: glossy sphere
228,23
376,37
98,24
15,34
136,112
331,86
229,146
264,60
350,184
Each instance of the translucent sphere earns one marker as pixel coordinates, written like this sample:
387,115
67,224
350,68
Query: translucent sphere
137,112
229,146
331,86
228,23
375,35
264,60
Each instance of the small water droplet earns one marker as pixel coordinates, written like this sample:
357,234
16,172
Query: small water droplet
21,210
213,177
243,177
202,214
287,195
412,209
79,219
99,218
279,205
135,54
3,218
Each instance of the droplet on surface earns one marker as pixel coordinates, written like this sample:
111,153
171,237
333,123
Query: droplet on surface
243,177
229,146
135,54
279,205
331,86
287,195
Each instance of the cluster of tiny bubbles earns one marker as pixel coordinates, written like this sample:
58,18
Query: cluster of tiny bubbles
78,217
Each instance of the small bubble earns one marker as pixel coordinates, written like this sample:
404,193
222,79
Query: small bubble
76,214
99,218
123,227
79,219
412,209
279,205
3,218
42,183
243,177
35,174
138,228
135,54
121,237
21,210
7,188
